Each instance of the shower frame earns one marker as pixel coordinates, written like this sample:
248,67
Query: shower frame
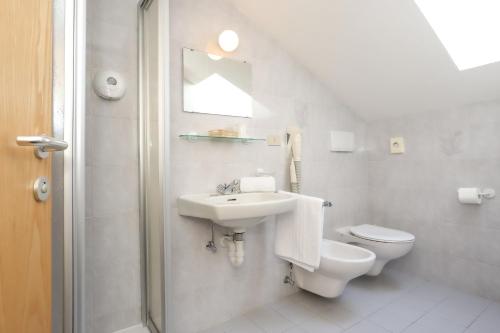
73,306
163,167
68,173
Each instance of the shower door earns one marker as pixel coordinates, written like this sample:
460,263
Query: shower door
151,167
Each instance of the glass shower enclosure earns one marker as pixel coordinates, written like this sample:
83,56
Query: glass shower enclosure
151,166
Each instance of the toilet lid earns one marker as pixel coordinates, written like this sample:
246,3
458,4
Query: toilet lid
381,234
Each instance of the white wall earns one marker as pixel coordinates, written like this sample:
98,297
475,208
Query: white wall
207,289
112,272
380,57
416,191
447,149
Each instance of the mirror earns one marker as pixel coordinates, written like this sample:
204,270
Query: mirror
216,85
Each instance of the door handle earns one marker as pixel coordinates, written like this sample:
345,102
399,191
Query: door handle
43,144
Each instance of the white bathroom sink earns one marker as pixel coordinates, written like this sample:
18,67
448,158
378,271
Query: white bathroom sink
236,211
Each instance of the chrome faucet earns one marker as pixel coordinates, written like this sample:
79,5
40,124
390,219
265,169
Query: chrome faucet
231,188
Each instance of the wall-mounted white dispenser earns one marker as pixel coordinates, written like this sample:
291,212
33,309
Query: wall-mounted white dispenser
109,85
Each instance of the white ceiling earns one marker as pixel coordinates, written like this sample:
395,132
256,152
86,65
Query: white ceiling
380,57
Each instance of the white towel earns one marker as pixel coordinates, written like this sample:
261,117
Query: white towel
257,184
299,233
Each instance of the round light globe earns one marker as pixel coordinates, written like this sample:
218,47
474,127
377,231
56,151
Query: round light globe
228,40
214,57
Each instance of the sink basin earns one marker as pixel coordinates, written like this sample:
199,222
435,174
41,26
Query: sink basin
236,211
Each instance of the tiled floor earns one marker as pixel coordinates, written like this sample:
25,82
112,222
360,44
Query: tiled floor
392,302
134,329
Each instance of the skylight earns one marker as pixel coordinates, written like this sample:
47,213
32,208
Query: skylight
468,29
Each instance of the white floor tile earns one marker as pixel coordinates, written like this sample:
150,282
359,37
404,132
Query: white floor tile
374,305
315,303
396,317
381,290
432,291
217,329
404,280
360,304
424,297
269,320
134,329
488,321
240,325
432,323
367,326
293,310
340,316
461,308
319,325
296,329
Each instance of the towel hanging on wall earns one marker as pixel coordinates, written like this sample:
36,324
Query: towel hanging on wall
294,151
299,233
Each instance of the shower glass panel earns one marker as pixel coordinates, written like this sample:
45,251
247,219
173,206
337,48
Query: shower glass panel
150,171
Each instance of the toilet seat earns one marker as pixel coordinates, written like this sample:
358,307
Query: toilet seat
381,234
387,244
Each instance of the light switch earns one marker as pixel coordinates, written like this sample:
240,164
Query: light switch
397,145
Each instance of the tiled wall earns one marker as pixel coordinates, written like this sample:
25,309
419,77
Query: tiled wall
416,191
112,298
207,289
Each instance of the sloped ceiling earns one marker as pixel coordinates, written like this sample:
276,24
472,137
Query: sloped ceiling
380,57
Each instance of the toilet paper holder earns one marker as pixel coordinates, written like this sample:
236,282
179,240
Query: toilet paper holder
487,193
475,195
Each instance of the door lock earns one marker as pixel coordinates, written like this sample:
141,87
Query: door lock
41,189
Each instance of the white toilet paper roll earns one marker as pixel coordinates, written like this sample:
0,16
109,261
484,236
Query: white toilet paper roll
469,195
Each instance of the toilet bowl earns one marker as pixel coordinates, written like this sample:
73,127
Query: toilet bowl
339,264
387,244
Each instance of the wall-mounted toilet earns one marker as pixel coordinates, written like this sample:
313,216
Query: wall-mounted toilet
339,264
387,244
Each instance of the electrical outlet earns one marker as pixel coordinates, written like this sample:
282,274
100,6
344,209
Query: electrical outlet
397,145
274,140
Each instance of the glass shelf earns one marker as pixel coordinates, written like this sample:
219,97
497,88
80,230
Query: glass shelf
197,137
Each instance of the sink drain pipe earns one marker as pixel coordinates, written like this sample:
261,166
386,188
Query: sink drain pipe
236,249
